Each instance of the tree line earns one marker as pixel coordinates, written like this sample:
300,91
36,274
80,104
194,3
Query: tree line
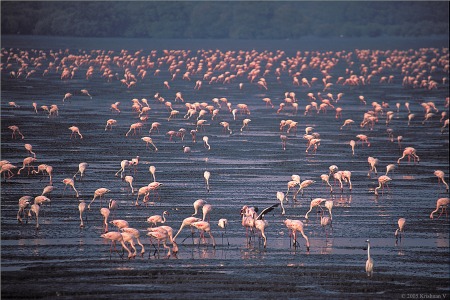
225,19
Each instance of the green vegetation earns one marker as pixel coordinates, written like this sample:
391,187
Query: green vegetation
225,19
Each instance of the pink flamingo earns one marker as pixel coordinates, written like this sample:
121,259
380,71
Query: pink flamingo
441,175
441,203
294,226
382,180
410,152
115,237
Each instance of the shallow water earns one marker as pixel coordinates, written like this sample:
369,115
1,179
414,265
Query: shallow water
247,168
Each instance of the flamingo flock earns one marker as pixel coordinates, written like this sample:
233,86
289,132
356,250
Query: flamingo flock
316,87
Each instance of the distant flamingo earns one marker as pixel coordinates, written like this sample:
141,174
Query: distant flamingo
105,212
206,210
15,129
129,179
34,210
24,202
315,203
27,164
352,144
261,226
110,123
157,218
136,234
197,204
280,197
203,227
410,152
160,235
69,181
152,170
29,148
81,208
441,203
382,180
389,168
369,262
75,130
373,165
81,169
294,226
115,237
187,222
326,178
123,165
149,141
223,223
399,231
100,192
441,175
206,175
206,142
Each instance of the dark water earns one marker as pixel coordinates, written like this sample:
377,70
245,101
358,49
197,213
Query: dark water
247,168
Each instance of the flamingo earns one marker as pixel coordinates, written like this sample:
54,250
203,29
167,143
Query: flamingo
389,168
369,262
115,237
27,164
294,226
410,152
24,202
280,197
441,203
81,169
81,208
153,186
352,144
187,222
206,175
75,130
69,181
169,231
157,218
373,165
223,223
261,226
441,175
152,170
160,235
142,191
34,210
204,226
15,129
100,192
382,180
324,222
120,224
315,202
129,179
105,213
29,148
149,141
326,178
206,142
136,234
206,210
399,231
123,165
304,184
329,206
6,169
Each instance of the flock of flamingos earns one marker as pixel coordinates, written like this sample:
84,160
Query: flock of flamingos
236,69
